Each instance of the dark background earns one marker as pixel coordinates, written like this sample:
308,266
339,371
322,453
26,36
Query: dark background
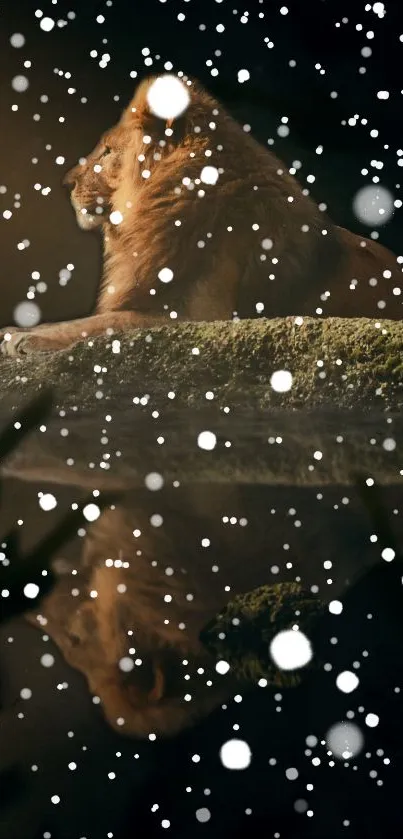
317,35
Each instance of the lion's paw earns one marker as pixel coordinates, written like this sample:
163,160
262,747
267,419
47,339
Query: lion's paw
16,344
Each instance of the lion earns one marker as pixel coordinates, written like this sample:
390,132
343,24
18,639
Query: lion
199,222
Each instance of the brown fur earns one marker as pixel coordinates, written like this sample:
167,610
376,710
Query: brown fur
305,272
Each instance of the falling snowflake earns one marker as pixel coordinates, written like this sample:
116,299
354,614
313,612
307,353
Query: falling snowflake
209,175
281,381
207,440
165,275
27,314
243,76
345,740
47,501
290,649
373,205
347,681
154,481
91,512
168,97
235,754
20,84
17,40
31,590
116,217
47,24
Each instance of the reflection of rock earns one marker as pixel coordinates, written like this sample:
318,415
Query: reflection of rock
121,415
242,632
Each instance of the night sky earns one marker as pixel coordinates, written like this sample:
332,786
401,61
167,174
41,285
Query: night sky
332,72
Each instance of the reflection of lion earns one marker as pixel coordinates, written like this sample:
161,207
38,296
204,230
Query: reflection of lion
147,587
250,243
199,223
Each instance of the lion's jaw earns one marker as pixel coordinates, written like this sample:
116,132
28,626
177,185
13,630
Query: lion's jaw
91,192
87,219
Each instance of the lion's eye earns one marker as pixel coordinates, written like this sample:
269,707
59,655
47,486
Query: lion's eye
107,150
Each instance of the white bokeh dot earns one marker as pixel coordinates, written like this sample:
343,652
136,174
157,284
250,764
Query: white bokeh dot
47,660
209,175
203,814
290,649
222,667
300,805
243,76
281,381
347,681
27,313
235,754
154,481
91,512
47,24
17,40
115,217
207,440
47,501
373,205
31,590
168,97
166,275
20,84
26,693
335,607
345,740
126,664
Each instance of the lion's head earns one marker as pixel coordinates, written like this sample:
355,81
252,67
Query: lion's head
95,178
104,183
